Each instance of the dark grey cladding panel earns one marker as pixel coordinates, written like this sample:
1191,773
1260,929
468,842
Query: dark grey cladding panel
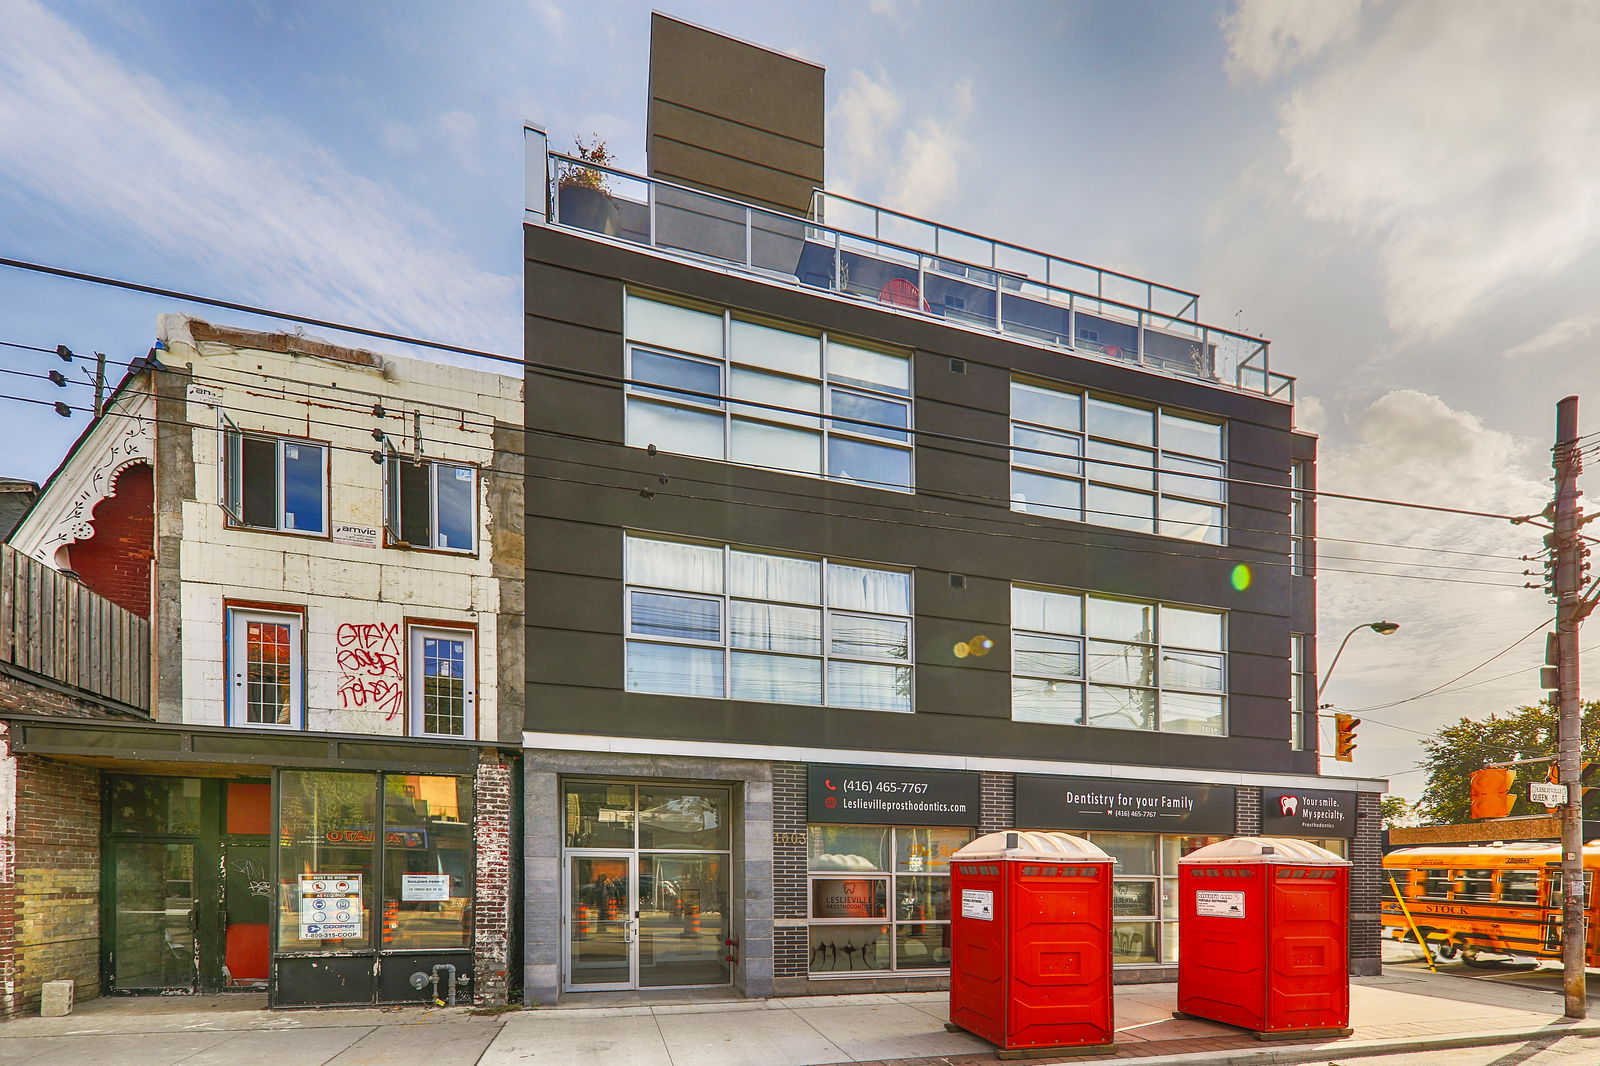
1250,630
566,657
557,294
1259,717
982,601
562,547
571,601
1259,675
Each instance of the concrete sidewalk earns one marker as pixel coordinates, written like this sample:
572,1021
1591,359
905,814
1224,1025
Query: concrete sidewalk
1406,1009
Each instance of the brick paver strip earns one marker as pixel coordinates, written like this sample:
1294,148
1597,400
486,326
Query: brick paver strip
1123,1052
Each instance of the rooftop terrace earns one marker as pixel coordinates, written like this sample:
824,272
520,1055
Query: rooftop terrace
907,265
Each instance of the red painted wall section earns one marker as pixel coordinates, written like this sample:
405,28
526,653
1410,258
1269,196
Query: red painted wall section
115,561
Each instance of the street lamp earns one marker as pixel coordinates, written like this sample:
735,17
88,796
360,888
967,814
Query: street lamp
1383,629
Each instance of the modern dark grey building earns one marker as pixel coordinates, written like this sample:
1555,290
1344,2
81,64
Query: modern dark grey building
850,536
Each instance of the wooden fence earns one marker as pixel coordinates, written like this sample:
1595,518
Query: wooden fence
52,626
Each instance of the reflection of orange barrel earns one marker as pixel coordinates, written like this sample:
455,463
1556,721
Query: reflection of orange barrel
585,915
691,919
613,911
391,920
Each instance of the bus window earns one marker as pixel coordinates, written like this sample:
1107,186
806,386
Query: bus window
1519,886
1436,884
1476,885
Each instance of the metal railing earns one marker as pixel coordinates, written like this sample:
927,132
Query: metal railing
981,291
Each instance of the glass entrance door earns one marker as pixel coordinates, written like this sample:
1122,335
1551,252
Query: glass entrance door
153,916
602,922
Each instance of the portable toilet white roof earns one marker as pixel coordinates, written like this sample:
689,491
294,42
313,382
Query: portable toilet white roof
1252,851
1032,847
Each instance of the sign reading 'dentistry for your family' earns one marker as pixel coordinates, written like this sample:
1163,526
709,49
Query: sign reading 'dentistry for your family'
1132,806
1300,813
892,795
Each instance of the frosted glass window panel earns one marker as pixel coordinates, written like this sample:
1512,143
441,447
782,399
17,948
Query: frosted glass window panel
1190,669
1049,612
1134,425
774,577
780,392
1117,470
1122,664
869,686
862,366
703,381
1199,522
1135,853
868,464
675,429
1121,708
776,349
774,627
1189,628
1122,619
1047,407
776,678
675,669
1048,451
670,326
1049,497
1051,702
1048,656
656,614
674,564
860,588
1193,478
1179,434
1121,509
869,638
873,415
775,447
1183,712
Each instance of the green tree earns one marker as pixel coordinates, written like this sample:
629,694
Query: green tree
1396,810
1459,749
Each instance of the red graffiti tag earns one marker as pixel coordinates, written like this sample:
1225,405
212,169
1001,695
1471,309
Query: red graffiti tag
369,666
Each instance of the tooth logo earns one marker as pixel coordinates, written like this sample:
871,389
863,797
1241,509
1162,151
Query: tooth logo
1288,806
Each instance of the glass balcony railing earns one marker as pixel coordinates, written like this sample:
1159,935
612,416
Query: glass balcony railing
908,265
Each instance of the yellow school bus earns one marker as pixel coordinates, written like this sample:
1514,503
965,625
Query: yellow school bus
1502,898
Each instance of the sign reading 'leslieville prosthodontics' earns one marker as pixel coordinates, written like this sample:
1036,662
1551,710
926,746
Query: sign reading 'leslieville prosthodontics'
892,795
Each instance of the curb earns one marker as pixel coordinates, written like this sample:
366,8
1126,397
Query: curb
1350,1049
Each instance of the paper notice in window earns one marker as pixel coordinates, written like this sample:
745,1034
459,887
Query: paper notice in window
463,474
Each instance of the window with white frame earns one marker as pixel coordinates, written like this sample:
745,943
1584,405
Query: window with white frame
709,384
278,483
442,673
1085,659
1297,517
726,622
1297,691
1091,459
265,674
431,504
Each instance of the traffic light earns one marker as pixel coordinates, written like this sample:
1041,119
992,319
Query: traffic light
1491,792
1344,737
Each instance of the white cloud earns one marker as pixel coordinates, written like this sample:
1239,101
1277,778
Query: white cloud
910,165
1459,135
866,111
1568,331
552,16
1266,37
253,206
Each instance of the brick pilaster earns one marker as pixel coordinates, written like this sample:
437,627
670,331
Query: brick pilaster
493,892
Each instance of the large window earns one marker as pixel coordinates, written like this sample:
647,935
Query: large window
712,385
1297,691
430,504
1090,459
726,622
277,483
264,668
1299,522
443,681
880,897
1083,659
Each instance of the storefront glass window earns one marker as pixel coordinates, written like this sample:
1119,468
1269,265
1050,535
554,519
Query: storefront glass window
599,815
927,850
676,817
325,860
848,847
1133,943
156,805
848,948
1135,852
427,838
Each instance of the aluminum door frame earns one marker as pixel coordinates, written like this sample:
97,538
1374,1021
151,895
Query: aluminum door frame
631,860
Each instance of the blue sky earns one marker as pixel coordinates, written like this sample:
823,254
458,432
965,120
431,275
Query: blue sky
1400,194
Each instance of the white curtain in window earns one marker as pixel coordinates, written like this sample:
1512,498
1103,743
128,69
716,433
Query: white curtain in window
674,565
776,678
774,577
772,627
857,588
675,669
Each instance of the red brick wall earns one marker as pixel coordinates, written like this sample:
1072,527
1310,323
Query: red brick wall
49,877
115,560
491,945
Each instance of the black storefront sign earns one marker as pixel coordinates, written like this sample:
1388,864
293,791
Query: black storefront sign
1122,805
1297,812
892,795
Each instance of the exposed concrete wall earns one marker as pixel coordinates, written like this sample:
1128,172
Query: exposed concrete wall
174,448
750,890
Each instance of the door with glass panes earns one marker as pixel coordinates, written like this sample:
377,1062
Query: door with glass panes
645,886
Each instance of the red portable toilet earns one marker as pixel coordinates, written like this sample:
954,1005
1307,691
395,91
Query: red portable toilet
1263,936
1030,966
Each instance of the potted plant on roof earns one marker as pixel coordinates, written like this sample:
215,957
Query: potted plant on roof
583,193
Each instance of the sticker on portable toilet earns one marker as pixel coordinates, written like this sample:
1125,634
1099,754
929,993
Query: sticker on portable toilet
977,903
1219,904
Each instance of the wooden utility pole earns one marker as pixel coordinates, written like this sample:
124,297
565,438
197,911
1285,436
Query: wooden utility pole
1570,610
